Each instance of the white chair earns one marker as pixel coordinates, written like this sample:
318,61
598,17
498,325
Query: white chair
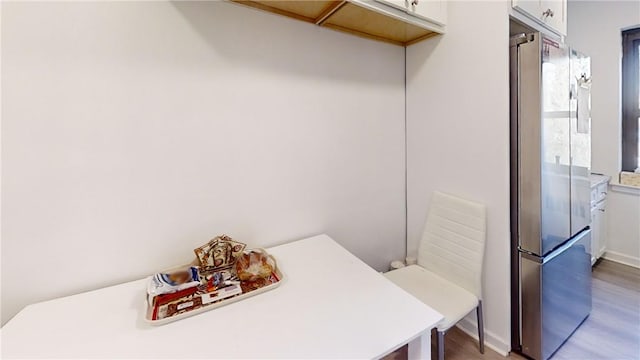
448,276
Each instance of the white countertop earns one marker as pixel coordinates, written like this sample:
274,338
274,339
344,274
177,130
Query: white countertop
331,305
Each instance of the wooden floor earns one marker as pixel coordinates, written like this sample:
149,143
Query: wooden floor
611,332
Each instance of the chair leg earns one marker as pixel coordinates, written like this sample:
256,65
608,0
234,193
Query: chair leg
480,326
441,345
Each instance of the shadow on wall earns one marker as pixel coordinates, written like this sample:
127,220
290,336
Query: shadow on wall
249,37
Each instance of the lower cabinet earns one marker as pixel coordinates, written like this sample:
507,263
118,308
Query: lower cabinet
598,229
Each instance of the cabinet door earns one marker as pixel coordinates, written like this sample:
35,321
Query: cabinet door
554,14
434,10
595,233
400,4
532,7
601,191
602,228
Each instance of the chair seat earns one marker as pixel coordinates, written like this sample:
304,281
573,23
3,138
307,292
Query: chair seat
450,300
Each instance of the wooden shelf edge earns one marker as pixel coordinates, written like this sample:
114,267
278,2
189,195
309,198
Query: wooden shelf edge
362,34
333,8
418,39
329,11
262,6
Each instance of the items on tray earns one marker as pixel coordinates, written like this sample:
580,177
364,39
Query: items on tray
254,265
224,271
219,252
164,283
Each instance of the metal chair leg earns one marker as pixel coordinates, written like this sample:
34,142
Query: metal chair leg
441,345
480,326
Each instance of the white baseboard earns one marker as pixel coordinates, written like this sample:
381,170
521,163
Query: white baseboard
491,340
622,258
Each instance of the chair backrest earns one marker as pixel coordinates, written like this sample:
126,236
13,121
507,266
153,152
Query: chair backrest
453,241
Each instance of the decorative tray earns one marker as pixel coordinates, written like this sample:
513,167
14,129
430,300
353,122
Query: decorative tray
279,277
215,288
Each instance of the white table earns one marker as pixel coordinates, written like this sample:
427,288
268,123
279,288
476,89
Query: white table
330,306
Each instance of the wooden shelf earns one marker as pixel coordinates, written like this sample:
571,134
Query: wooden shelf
370,19
309,11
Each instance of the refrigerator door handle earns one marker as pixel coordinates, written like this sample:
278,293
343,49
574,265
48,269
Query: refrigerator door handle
557,251
560,249
530,256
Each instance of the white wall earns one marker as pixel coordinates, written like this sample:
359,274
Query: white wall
458,137
134,132
601,40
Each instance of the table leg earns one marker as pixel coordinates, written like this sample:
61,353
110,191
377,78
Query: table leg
420,347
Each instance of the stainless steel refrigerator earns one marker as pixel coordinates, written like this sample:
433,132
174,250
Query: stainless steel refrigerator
550,193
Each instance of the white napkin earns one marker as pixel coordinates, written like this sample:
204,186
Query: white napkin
584,90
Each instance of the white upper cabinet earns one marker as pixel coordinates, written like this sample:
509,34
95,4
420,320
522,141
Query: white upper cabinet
528,6
554,14
434,10
400,4
431,10
551,13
